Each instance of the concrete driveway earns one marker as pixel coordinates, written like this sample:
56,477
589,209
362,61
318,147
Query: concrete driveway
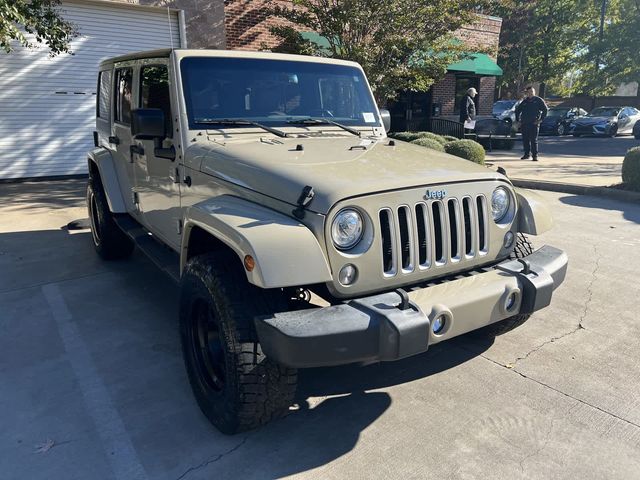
92,383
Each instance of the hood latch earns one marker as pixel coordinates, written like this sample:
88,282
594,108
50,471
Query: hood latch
305,199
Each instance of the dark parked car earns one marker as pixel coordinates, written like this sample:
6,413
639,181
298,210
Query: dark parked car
609,121
558,120
636,130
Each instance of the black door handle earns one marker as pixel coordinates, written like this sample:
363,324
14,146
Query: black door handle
133,149
114,140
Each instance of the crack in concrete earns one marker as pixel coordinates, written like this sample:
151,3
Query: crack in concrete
583,402
580,326
547,437
217,458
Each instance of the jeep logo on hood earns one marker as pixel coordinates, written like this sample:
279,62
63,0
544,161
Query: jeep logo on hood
435,194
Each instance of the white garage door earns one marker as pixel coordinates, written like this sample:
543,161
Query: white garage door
47,105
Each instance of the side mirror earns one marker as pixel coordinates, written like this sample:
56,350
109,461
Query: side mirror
147,124
571,114
386,119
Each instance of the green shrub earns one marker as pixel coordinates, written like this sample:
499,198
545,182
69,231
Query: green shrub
438,138
631,168
467,149
407,136
449,138
429,143
411,136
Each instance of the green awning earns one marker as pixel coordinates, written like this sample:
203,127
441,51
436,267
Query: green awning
318,39
477,63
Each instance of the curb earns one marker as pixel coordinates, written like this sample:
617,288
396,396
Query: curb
606,192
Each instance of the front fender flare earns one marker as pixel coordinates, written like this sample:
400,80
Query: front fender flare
534,217
103,159
285,251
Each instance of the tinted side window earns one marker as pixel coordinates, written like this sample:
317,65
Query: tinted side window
123,91
104,94
154,91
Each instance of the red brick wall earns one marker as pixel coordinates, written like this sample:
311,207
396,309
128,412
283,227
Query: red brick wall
486,92
247,24
444,93
484,34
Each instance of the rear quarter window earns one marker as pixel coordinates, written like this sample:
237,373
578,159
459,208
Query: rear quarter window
104,94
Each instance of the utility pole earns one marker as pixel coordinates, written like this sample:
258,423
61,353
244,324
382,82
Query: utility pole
603,11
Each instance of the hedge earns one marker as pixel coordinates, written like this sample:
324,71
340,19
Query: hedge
429,143
407,136
631,168
467,149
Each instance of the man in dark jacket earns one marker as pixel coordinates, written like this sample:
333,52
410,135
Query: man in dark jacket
530,113
468,106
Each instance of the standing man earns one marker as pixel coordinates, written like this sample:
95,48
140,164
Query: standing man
468,106
530,113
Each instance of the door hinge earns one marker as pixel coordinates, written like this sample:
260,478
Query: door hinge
136,198
176,178
179,227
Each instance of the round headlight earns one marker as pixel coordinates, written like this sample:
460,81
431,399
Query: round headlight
347,229
500,201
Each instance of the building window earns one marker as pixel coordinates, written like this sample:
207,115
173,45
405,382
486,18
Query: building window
104,88
464,83
154,92
124,87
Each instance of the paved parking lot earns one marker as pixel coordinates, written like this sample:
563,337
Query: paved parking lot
92,383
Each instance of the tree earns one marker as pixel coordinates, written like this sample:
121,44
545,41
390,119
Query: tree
611,56
40,18
401,44
540,40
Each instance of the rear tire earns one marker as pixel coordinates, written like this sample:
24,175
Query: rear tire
235,385
522,249
110,242
561,130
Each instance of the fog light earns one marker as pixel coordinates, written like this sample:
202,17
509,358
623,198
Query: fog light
438,324
347,275
508,239
510,302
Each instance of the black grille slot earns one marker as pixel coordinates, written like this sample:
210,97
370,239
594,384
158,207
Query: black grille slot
482,234
421,225
387,244
468,239
405,236
437,231
453,228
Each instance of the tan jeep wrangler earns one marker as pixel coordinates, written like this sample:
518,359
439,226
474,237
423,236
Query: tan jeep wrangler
300,235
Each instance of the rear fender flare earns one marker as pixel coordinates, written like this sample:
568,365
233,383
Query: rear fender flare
103,160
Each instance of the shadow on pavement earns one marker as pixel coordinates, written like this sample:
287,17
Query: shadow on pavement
630,211
125,313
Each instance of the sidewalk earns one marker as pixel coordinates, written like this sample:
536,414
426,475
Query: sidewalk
568,164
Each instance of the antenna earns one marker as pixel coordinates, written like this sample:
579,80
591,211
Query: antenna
170,29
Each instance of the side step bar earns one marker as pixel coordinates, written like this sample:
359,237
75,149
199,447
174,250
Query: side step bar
165,259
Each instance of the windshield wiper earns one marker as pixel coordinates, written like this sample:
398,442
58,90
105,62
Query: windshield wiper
324,121
239,121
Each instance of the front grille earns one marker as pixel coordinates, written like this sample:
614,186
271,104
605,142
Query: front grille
435,233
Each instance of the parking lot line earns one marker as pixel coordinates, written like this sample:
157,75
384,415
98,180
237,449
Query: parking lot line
116,443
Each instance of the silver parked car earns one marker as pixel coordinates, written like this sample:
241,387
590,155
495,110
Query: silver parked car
609,121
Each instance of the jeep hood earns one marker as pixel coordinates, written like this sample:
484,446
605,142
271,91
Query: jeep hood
336,167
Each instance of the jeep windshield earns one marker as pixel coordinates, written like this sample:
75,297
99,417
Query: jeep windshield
275,93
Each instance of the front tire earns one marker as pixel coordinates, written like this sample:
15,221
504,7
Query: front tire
522,249
235,385
110,242
561,130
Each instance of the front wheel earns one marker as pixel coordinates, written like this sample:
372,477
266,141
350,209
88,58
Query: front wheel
235,385
561,130
613,132
522,249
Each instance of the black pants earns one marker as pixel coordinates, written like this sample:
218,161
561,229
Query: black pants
530,138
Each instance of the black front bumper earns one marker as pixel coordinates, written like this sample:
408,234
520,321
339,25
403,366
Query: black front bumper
397,324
